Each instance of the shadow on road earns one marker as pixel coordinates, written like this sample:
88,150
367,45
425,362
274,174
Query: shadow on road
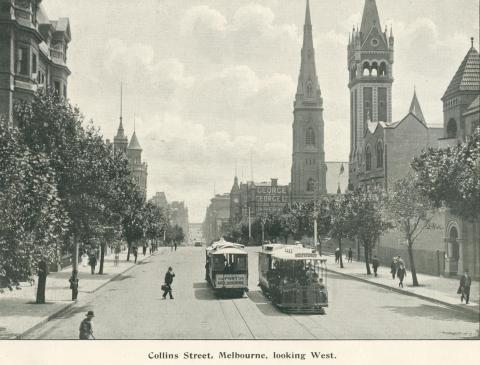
203,285
257,297
122,277
73,311
205,294
434,312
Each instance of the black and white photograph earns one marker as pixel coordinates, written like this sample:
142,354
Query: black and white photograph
274,180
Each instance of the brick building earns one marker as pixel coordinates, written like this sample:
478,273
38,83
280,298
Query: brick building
33,52
461,115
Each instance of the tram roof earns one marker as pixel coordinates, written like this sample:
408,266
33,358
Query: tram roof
222,243
296,253
229,251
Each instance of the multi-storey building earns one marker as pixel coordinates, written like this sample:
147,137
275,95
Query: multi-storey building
179,216
33,52
160,200
308,174
217,218
370,66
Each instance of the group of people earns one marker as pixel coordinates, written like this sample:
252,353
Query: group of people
398,268
338,255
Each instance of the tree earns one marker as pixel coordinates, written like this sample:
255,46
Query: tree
364,219
339,209
32,221
411,213
451,177
289,222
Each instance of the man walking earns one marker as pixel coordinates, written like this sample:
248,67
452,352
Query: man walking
167,287
92,261
74,284
135,253
401,273
86,327
375,264
350,254
337,255
465,283
393,267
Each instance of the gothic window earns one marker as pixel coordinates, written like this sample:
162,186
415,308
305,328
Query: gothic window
452,129
379,154
368,159
310,185
383,69
374,71
310,137
366,69
309,89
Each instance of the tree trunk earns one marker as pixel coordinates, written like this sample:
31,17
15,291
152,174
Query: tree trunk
102,256
412,263
341,254
129,245
367,263
42,282
286,239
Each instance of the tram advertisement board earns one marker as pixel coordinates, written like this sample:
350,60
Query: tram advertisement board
231,280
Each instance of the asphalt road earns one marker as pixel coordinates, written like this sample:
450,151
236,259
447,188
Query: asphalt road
131,307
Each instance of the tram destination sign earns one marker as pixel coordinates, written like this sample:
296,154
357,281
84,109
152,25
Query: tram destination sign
231,280
305,255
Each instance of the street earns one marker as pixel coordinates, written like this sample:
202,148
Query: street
131,307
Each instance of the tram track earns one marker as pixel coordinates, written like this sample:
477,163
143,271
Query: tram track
228,320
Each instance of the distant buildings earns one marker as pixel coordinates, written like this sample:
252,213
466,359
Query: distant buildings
217,217
133,151
179,216
160,200
33,52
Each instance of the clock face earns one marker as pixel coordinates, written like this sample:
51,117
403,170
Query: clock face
374,42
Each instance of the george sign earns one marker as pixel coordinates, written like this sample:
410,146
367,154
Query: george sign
231,280
269,198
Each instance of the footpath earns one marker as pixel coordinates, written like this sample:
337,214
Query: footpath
19,314
436,289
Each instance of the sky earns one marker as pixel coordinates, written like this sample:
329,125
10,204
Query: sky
212,82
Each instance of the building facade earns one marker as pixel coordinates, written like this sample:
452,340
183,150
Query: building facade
461,115
370,66
308,173
137,167
33,52
390,147
179,216
217,218
160,200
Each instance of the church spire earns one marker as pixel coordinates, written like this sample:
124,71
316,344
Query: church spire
415,108
370,18
120,132
308,87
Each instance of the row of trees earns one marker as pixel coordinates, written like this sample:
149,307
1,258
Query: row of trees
61,186
447,178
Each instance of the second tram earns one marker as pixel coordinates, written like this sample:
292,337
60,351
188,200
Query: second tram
294,278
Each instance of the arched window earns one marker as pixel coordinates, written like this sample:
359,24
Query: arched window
309,89
311,185
366,69
379,154
383,69
453,251
452,129
368,158
374,71
310,137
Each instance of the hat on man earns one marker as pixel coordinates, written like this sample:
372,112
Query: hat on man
90,314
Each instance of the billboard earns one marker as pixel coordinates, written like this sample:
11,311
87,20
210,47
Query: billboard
270,198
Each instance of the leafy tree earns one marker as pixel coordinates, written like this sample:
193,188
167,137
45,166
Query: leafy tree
32,221
289,222
340,215
365,221
411,213
451,177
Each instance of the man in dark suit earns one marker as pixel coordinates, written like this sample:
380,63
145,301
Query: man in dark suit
168,283
465,283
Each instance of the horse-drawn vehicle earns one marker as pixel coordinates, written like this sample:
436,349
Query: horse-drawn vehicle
294,278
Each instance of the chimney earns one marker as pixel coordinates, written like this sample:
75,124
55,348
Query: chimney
274,182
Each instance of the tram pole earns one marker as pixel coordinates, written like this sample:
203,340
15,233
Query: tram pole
249,224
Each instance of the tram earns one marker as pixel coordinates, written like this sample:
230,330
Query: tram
294,278
226,268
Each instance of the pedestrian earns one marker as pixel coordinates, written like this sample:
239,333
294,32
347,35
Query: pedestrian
337,255
465,283
144,250
74,284
401,273
117,255
350,254
167,287
42,280
84,259
92,261
171,246
86,327
393,267
150,248
175,243
135,253
375,264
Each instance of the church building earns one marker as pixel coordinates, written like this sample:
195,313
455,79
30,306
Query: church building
308,174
